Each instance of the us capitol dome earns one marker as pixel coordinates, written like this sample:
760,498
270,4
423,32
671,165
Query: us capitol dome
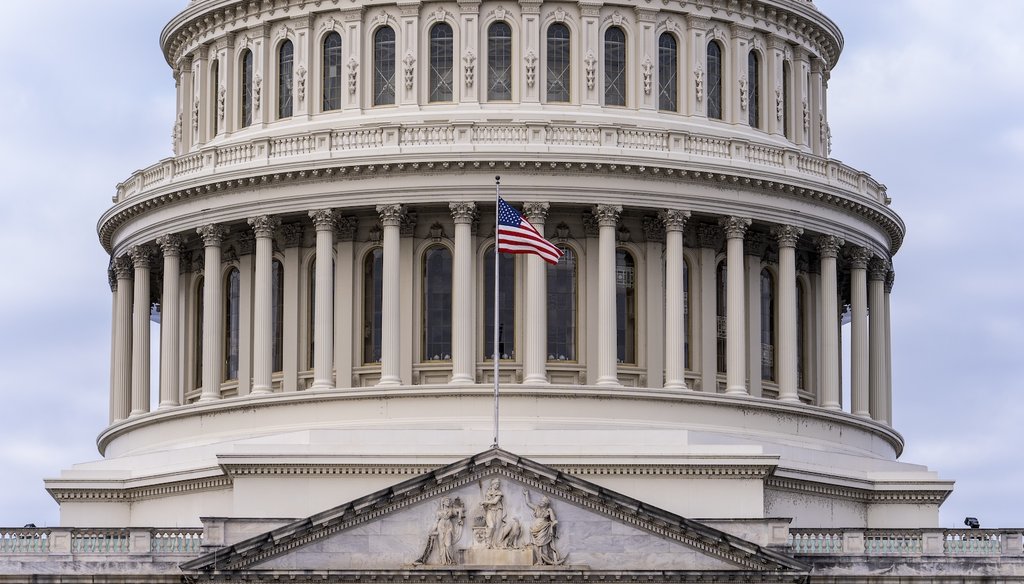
318,255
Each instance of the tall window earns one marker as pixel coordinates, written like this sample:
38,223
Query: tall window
767,325
720,313
562,307
246,89
437,304
285,74
214,98
625,306
232,284
277,322
373,291
499,62
614,66
384,66
754,82
506,305
668,65
442,48
800,335
786,73
197,341
558,69
332,72
714,80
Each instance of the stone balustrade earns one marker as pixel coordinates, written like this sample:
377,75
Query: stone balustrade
99,542
907,542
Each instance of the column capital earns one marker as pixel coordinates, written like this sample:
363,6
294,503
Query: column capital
123,268
878,269
345,228
734,227
674,219
264,225
292,234
787,235
112,278
462,211
391,215
890,279
170,245
859,257
536,212
141,256
213,235
607,215
829,245
323,219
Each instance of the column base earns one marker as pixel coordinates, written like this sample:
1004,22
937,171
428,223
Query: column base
136,413
204,399
864,415
261,391
608,381
832,406
736,390
676,385
322,384
461,380
389,382
536,380
166,405
789,399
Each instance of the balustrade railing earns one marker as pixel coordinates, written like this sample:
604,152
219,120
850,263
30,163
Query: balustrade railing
99,541
907,542
24,541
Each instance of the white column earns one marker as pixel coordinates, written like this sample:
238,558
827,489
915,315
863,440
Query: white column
859,257
828,250
889,281
607,360
121,382
263,227
391,221
213,311
675,300
463,357
170,321
140,330
323,309
735,359
786,361
535,353
878,269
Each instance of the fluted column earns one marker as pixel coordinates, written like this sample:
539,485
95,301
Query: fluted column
140,330
675,300
828,251
121,383
463,358
607,360
536,350
735,356
170,324
859,257
787,237
263,228
323,309
391,221
213,311
878,269
890,279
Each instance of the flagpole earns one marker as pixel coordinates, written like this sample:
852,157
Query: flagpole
494,355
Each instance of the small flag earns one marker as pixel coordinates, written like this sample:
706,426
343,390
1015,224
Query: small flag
516,235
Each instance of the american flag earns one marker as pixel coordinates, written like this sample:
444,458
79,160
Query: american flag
516,235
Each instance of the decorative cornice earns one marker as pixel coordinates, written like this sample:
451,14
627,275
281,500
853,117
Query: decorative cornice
462,212
787,235
131,494
213,235
264,225
734,227
927,497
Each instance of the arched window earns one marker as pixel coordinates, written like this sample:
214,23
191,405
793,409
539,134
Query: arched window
373,291
277,315
614,66
214,98
625,306
558,61
668,65
800,335
384,66
285,73
767,325
562,307
754,82
499,62
506,305
232,285
197,340
246,89
332,72
437,304
714,67
686,315
720,313
442,49
786,74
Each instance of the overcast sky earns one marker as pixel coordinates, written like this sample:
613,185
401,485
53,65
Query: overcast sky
926,100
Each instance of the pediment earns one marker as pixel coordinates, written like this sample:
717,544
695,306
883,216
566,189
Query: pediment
493,511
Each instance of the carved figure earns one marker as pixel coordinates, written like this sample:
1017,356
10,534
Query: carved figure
543,532
446,532
494,512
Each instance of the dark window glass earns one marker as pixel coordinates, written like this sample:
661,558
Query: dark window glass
277,325
559,68
285,71
231,321
786,73
332,72
686,314
668,66
214,98
246,91
562,307
499,62
437,304
384,66
197,342
614,66
800,335
625,306
767,326
720,314
373,291
714,80
442,48
506,305
754,91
